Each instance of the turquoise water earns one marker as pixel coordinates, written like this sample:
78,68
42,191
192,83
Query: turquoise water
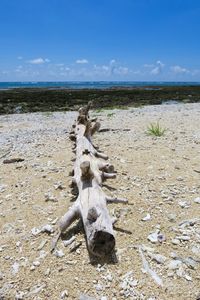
91,84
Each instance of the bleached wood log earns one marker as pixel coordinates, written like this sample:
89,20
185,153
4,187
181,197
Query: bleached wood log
91,204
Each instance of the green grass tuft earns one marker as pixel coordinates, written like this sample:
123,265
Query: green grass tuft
47,114
110,115
155,129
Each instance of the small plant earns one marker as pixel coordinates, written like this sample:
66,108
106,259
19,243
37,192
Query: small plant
99,110
155,129
47,113
110,115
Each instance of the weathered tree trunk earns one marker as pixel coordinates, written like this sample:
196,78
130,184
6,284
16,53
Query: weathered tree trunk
91,204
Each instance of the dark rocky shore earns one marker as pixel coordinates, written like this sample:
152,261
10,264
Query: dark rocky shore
24,100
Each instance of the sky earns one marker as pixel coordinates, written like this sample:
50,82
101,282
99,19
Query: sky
90,40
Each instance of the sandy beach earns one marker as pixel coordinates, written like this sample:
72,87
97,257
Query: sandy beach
158,230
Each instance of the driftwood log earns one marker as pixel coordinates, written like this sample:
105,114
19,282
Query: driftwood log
90,169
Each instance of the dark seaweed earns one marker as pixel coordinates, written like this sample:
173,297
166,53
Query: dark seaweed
24,100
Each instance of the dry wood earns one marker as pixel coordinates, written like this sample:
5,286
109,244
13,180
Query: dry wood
91,204
12,160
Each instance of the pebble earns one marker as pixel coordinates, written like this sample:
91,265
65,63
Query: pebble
86,297
1,275
124,211
184,204
190,262
35,290
59,185
64,294
35,231
36,263
196,250
197,200
183,238
160,259
2,188
147,249
161,237
147,217
153,237
128,284
59,253
47,228
43,254
69,241
42,244
54,221
172,217
47,272
15,268
180,272
98,287
49,197
188,278
175,242
18,244
19,295
109,277
174,264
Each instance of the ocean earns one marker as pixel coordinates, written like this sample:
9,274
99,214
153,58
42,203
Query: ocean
91,84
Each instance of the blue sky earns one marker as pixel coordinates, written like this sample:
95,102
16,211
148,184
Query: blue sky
65,40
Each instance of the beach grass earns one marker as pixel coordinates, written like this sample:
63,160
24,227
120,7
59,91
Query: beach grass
156,129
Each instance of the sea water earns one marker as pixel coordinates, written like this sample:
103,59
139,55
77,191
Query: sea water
92,84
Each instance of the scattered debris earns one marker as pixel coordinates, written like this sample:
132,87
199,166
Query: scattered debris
12,160
70,241
42,244
153,237
147,217
86,297
197,200
36,290
59,253
15,268
47,228
64,294
147,269
35,231
49,197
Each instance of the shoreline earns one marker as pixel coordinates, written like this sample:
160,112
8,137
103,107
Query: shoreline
25,100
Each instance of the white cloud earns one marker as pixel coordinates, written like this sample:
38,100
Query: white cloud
157,68
19,69
59,65
179,70
4,72
122,70
149,65
112,68
112,62
82,61
195,72
38,61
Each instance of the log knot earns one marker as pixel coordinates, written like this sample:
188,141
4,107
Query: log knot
86,172
92,215
86,152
